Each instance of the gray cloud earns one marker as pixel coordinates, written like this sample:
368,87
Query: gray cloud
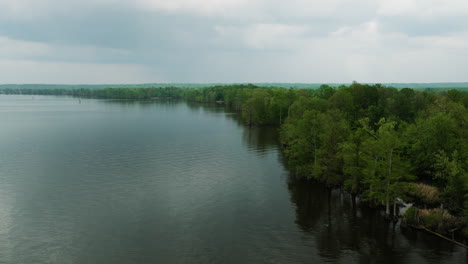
424,27
232,41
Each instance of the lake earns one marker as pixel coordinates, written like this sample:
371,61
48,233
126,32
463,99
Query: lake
103,181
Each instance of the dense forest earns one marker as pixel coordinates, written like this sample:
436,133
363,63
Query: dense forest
381,144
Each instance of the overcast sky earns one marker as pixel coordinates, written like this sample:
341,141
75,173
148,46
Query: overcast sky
141,41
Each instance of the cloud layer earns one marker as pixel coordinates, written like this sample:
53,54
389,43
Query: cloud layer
119,41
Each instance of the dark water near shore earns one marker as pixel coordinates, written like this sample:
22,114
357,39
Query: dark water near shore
170,182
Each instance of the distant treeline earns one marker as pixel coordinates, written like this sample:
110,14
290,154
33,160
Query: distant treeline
379,143
420,86
106,93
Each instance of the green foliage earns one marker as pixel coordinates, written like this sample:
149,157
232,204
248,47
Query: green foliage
354,163
429,136
411,215
332,133
325,91
432,220
452,178
303,104
403,105
465,205
386,172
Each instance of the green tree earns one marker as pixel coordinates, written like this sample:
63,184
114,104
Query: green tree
255,109
301,141
354,163
451,178
331,132
386,173
429,136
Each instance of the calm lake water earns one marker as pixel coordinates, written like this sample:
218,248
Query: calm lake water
170,182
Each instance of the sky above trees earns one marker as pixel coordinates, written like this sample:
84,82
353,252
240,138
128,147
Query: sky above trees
118,41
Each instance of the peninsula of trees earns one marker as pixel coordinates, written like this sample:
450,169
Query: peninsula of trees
381,144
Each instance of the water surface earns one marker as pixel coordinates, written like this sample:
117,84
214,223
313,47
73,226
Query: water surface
169,182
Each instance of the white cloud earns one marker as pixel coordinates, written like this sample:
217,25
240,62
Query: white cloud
33,9
265,36
197,6
11,48
258,10
362,52
370,55
426,9
363,30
